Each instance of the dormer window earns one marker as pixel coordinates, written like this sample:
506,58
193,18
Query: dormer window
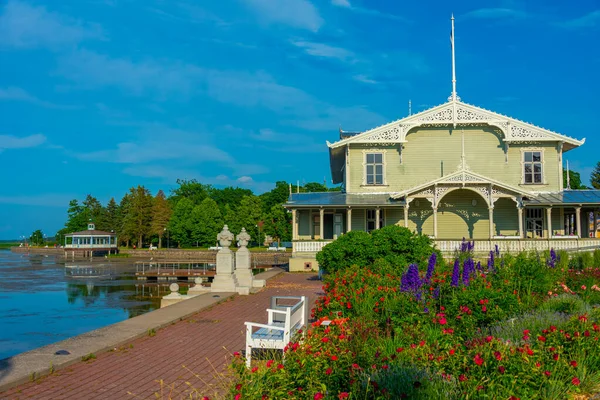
374,169
532,167
91,226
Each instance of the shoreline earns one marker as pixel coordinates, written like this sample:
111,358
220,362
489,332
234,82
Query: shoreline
42,361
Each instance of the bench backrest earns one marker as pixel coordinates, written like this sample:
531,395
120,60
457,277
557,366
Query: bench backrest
292,315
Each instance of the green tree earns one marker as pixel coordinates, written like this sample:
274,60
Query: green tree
595,177
94,210
123,234
278,224
37,238
249,213
161,213
229,196
139,216
180,227
230,218
111,216
190,189
77,219
278,195
207,222
313,187
574,180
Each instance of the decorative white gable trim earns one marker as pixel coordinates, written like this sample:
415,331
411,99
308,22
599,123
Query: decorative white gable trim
457,113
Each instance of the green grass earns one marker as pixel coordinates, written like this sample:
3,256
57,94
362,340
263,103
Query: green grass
8,245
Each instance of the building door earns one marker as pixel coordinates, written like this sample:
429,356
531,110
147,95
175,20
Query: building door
534,223
338,225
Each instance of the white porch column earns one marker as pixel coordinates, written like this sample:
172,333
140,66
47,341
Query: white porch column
549,221
311,224
349,220
435,230
294,225
578,220
491,212
321,223
377,218
406,215
520,210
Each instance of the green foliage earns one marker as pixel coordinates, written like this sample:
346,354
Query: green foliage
394,244
574,180
206,223
278,224
161,213
88,357
191,190
180,226
595,177
278,195
597,258
137,220
229,196
37,238
248,215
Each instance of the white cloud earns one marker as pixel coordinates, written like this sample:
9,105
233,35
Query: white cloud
44,200
341,3
589,20
244,179
14,142
495,13
295,13
26,26
324,50
18,94
364,79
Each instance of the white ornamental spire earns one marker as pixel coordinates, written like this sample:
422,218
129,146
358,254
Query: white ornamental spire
454,96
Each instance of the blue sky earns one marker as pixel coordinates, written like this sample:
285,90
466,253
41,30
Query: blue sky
99,95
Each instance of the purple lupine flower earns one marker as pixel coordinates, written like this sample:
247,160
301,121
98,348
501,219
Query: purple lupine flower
419,295
410,281
464,246
436,293
553,258
468,269
430,267
426,310
497,249
471,245
491,262
479,268
455,274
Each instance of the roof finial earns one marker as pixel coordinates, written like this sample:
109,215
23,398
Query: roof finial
454,96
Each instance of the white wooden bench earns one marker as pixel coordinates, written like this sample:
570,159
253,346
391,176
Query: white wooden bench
272,248
285,320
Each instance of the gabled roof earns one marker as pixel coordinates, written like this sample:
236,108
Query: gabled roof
464,177
89,232
455,112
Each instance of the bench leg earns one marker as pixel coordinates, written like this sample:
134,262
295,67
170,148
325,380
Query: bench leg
248,356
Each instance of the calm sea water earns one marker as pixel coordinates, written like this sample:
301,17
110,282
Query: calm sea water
41,304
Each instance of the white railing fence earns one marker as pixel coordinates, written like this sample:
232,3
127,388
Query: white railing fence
310,246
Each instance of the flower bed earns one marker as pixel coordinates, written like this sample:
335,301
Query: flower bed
508,327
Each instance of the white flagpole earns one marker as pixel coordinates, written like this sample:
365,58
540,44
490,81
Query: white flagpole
453,61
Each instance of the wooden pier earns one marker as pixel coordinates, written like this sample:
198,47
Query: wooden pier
175,270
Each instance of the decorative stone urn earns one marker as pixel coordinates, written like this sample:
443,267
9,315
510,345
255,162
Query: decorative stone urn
225,280
243,263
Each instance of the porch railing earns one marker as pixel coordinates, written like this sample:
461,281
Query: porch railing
309,246
90,246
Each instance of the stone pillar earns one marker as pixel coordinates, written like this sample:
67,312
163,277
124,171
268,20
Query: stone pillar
549,221
435,224
520,211
377,211
321,223
294,225
225,279
578,220
406,206
491,213
349,220
243,265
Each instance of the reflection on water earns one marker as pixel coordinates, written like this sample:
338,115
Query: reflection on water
42,300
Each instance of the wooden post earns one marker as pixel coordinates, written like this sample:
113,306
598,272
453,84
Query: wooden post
435,223
578,221
549,221
377,218
294,225
520,211
406,206
349,220
491,213
321,223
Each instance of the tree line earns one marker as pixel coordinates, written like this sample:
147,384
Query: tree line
192,215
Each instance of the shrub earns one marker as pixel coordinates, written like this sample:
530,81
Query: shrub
396,245
597,258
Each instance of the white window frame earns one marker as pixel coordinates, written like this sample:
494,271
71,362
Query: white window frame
542,162
383,166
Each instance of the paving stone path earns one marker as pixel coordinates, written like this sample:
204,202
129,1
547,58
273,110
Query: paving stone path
202,343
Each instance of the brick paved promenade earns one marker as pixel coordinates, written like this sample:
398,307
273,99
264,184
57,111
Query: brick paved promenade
196,343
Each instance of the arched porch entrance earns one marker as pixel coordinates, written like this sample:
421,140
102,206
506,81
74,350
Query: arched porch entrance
463,213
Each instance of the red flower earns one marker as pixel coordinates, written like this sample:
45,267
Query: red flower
443,321
238,387
537,365
526,332
269,363
483,308
498,355
462,377
325,340
541,338
328,371
452,351
319,396
555,356
236,354
478,360
547,373
575,381
334,358
355,366
399,350
279,366
501,369
348,306
343,395
422,343
514,398
238,396
254,369
573,364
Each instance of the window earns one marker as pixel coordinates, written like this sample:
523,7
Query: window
372,217
374,171
534,223
532,167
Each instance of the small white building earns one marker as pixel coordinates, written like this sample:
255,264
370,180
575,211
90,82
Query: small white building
89,241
